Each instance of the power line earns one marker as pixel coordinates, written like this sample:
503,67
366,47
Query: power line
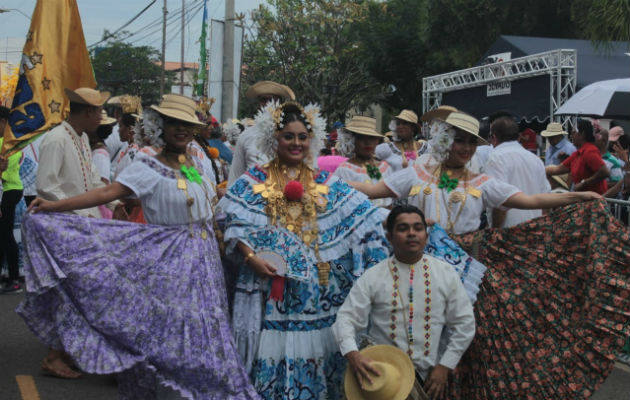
124,25
172,20
189,18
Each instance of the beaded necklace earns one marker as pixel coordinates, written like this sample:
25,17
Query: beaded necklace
393,268
85,163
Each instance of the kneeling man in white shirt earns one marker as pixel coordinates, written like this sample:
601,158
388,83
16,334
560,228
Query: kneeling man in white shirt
406,301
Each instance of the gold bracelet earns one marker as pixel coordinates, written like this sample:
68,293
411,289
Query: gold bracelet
248,256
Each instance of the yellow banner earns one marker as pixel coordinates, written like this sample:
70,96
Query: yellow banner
55,57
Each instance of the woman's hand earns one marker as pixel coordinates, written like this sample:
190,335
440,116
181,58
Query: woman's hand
361,365
41,205
261,267
586,196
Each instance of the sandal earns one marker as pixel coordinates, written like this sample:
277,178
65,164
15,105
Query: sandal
66,359
59,369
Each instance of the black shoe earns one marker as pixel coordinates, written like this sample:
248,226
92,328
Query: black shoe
12,287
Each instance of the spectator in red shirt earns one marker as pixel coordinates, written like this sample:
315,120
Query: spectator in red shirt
588,170
527,139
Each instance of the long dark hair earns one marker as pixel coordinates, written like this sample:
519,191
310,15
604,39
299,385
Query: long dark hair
205,146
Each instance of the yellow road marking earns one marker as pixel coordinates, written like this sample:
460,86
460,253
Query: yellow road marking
27,387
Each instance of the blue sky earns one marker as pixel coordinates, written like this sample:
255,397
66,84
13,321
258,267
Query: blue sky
98,15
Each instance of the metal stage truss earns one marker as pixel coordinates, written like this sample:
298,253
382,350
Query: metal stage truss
560,65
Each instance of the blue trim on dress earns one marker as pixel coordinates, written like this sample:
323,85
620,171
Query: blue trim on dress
299,326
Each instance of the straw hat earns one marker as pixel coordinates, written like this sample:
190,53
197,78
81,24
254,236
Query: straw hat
106,119
408,115
114,101
363,126
397,376
465,122
269,88
178,107
439,113
553,129
87,96
130,104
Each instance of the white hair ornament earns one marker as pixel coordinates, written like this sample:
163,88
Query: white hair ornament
441,139
269,123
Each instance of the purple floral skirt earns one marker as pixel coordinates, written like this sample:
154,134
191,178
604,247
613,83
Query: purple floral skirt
146,299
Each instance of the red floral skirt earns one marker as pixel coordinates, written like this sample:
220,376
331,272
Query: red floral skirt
553,310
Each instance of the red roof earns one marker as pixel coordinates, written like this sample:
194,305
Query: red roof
176,65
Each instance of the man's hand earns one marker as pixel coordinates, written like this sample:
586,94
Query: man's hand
436,383
361,365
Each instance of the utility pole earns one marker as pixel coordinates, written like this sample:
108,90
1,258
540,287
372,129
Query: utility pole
227,101
181,72
163,50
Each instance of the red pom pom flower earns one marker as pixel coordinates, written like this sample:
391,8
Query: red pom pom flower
293,191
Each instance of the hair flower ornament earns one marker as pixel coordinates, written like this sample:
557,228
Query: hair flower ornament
441,139
345,143
270,121
153,127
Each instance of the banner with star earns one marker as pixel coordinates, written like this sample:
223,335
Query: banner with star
54,57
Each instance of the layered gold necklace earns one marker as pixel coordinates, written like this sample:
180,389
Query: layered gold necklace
294,206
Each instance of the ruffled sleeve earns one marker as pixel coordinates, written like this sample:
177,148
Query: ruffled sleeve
349,223
243,208
138,177
402,181
382,151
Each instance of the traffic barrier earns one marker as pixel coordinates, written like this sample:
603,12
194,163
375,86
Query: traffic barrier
620,209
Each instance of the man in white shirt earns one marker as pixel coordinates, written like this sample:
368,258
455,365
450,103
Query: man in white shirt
65,157
510,162
379,302
246,153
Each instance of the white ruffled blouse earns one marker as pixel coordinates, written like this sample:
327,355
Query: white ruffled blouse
349,172
391,154
163,203
462,207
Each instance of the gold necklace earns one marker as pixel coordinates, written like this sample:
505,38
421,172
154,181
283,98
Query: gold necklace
297,216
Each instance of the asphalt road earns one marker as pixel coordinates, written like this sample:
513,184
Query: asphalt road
21,354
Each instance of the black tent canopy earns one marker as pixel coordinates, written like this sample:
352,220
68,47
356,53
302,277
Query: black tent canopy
530,97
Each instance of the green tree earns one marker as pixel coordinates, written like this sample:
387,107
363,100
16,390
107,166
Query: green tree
122,68
313,48
603,20
406,40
